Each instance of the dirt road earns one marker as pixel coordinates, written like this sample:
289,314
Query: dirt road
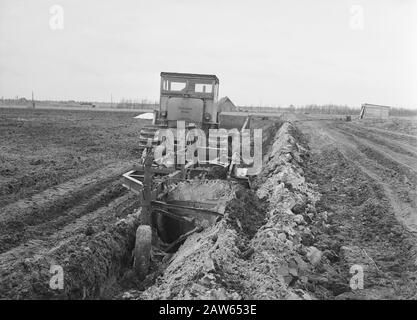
368,180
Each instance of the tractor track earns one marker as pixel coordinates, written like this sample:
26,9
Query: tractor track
379,140
394,135
39,216
395,172
369,184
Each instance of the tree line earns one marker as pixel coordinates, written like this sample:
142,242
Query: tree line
326,109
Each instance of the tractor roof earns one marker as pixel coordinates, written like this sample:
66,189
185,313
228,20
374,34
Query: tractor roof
190,75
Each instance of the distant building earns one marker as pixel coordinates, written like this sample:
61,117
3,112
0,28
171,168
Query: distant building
374,111
225,104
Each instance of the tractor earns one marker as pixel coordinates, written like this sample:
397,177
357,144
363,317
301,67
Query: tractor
187,97
191,101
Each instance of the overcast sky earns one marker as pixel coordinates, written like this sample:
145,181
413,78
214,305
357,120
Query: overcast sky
264,52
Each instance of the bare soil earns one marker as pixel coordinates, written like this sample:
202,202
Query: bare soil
44,148
61,202
60,197
368,178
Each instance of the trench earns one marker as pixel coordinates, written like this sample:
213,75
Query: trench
257,250
246,212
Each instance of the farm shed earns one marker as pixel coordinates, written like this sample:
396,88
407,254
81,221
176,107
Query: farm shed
374,111
225,104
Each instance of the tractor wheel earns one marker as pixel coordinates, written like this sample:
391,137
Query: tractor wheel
142,251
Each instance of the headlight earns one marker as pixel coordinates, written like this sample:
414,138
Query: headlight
207,116
163,114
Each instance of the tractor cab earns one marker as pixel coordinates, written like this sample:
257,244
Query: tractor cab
188,97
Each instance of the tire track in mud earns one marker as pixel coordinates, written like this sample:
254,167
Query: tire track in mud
382,141
40,215
89,203
398,136
396,174
359,186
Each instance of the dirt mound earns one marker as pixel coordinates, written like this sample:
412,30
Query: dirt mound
246,213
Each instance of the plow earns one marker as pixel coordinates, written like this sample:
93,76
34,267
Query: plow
188,102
